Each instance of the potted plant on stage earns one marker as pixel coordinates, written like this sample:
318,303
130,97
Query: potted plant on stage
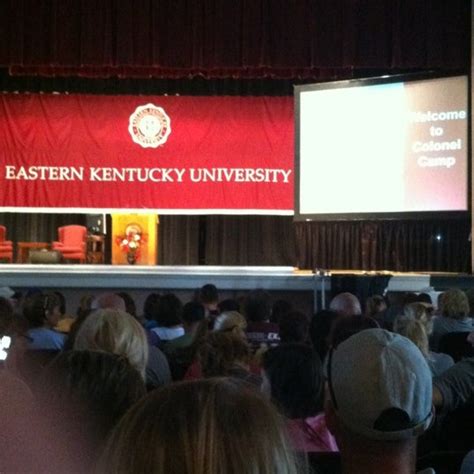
131,242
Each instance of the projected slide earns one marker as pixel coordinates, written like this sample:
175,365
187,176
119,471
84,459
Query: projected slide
395,147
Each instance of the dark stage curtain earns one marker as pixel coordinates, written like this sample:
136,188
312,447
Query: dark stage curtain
178,240
385,245
239,38
275,240
249,240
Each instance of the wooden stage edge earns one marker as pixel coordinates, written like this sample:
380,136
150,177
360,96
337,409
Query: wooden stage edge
224,277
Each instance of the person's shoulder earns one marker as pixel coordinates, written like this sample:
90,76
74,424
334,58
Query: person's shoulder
44,338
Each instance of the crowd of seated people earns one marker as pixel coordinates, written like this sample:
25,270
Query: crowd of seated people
240,386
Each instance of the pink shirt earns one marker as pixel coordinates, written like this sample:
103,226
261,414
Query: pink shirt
311,435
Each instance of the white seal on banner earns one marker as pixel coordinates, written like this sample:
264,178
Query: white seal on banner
149,126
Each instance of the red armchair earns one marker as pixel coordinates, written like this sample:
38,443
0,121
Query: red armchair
6,246
72,242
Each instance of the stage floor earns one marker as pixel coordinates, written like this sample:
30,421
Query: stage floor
191,277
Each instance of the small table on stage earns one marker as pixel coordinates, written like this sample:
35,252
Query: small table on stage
23,249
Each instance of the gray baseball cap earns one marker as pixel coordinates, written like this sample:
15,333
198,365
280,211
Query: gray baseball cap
381,385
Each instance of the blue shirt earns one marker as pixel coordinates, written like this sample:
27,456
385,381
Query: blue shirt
46,339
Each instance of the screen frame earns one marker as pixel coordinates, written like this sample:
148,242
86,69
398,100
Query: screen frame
369,81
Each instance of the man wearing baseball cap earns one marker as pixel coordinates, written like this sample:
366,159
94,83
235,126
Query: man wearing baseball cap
379,402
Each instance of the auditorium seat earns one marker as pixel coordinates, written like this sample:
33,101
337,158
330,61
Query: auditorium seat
72,242
6,246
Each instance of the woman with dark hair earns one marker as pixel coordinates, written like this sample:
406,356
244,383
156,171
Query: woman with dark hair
168,319
211,426
293,377
150,309
42,311
319,330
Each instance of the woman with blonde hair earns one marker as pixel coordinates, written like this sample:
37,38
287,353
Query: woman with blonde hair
211,426
415,330
454,316
114,331
231,321
421,312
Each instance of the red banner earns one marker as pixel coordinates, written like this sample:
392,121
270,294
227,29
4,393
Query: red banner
175,155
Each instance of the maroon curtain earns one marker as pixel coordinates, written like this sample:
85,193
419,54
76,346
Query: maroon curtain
241,38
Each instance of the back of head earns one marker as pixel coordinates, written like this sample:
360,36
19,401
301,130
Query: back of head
380,386
38,306
455,304
414,330
150,307
294,375
346,326
279,309
230,321
99,385
192,427
193,312
116,332
319,330
420,312
108,301
228,304
257,306
294,327
221,352
345,304
82,397
169,310
130,306
374,305
208,294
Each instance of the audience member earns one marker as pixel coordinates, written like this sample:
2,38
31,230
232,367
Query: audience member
116,332
65,321
228,304
292,376
168,318
416,331
192,315
375,307
380,401
130,306
345,304
319,330
260,331
208,296
41,310
83,395
150,310
453,395
396,302
108,301
84,307
454,316
224,354
212,426
280,308
421,312
294,327
231,321
347,326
